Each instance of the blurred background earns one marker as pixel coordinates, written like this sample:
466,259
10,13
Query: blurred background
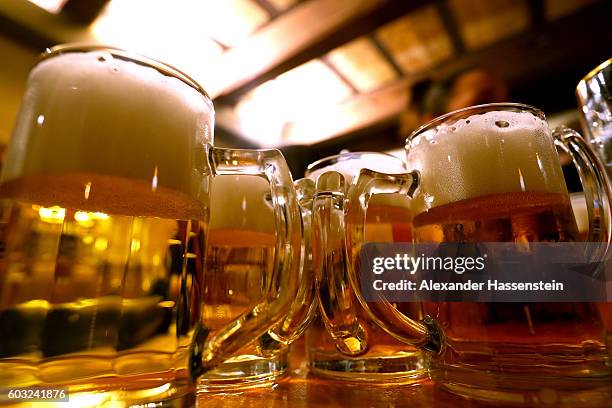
314,77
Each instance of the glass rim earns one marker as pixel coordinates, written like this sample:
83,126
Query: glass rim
596,70
472,109
333,159
131,56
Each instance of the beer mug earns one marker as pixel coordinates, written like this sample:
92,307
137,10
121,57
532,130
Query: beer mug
491,173
105,210
343,342
239,258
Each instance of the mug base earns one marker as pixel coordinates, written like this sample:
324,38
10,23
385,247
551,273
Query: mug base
589,390
402,368
245,372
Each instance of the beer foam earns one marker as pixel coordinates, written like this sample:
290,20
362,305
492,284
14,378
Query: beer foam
491,153
240,203
350,167
90,112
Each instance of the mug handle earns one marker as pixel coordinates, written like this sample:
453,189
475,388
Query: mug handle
592,173
207,350
338,305
303,308
425,334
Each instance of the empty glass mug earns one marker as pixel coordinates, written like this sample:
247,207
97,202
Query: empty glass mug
343,342
594,93
491,173
239,259
104,219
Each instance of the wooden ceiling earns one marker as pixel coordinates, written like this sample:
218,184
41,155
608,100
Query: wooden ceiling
351,62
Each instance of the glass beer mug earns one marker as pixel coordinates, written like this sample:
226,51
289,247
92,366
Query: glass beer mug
104,220
594,93
239,256
491,173
343,342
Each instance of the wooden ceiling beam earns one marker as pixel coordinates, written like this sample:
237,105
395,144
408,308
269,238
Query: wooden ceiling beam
84,12
37,27
451,26
307,31
359,112
527,58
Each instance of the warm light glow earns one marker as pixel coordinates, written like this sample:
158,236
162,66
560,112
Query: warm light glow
88,399
362,64
154,180
52,6
87,190
282,4
88,219
101,244
399,153
84,219
166,303
303,92
52,215
232,21
135,245
170,31
99,216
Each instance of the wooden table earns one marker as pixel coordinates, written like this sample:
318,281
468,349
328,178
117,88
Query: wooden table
301,389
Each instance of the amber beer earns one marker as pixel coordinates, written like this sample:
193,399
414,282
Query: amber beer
503,327
495,177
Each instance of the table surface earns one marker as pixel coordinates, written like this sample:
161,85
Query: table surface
301,389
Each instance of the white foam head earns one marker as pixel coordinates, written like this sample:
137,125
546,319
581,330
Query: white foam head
495,152
350,164
92,113
239,203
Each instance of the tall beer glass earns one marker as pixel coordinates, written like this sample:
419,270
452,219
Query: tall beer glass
104,219
491,174
343,342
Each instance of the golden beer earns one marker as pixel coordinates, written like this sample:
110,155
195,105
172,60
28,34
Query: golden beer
99,271
85,294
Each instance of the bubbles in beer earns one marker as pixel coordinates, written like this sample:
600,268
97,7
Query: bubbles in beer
105,57
501,123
